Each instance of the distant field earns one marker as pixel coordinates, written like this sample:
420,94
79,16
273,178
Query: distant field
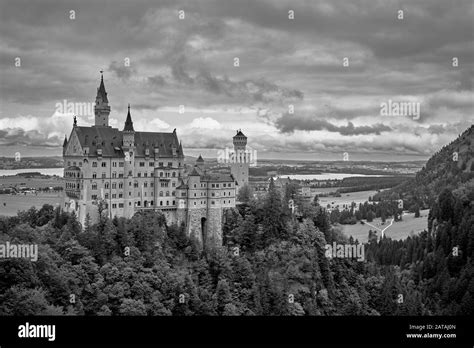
13,203
399,230
8,181
346,198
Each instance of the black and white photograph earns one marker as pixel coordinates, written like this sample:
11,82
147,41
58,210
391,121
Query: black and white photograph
283,162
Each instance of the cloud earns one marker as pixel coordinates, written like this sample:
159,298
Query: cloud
121,70
288,123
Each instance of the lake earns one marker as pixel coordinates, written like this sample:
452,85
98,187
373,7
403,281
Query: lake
326,176
45,171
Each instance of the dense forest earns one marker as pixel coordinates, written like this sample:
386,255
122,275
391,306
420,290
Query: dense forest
273,261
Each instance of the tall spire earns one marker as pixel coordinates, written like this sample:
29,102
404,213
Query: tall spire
101,90
65,141
128,122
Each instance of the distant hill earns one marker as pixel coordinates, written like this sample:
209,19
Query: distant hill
450,168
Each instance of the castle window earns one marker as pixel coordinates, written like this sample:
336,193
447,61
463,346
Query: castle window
129,194
173,202
161,193
94,164
114,175
135,184
194,203
170,164
194,185
114,205
80,164
217,185
173,193
167,202
160,164
183,194
151,184
213,194
104,164
120,205
173,184
94,175
114,164
94,197
138,203
120,195
120,164
224,193
68,163
129,173
161,174
106,196
161,202
212,202
103,175
94,186
213,185
142,164
129,183
74,164
174,174
120,185
194,194
114,195
145,174
120,175
129,204
145,184
139,174
167,193
223,185
151,164
106,185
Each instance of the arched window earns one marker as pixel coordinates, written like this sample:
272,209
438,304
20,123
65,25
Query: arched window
161,193
106,185
167,194
94,186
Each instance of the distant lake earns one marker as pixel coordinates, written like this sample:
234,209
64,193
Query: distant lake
326,176
45,171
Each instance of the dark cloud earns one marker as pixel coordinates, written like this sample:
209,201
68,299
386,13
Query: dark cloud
17,136
258,90
288,123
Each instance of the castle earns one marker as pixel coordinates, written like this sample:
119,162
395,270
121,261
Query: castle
130,171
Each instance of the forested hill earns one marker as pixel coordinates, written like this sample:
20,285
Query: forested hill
450,168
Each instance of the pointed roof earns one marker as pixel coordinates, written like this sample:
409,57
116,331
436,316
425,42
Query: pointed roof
200,159
128,122
194,172
101,90
239,134
65,141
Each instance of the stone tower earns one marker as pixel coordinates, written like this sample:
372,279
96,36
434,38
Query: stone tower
128,147
101,107
239,163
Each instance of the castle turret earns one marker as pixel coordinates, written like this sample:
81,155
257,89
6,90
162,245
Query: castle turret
129,149
64,144
200,162
101,108
239,163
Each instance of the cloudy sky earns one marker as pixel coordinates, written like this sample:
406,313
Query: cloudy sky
310,82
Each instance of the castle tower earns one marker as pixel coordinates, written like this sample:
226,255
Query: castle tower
200,163
101,107
128,147
239,166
